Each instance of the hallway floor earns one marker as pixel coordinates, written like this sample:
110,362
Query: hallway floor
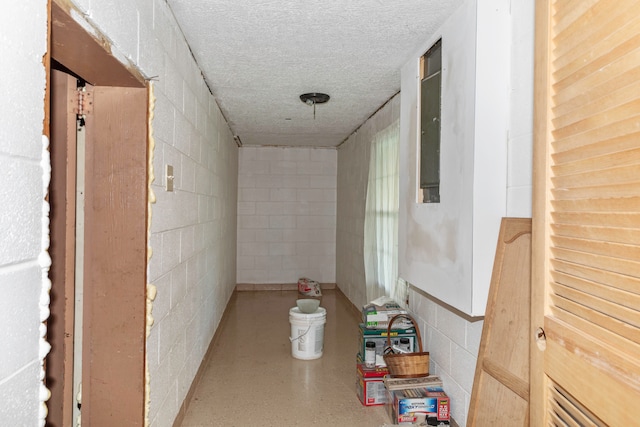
251,378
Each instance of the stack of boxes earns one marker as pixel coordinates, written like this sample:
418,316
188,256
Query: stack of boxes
369,381
409,400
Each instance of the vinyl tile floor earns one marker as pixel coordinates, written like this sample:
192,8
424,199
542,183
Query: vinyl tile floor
252,379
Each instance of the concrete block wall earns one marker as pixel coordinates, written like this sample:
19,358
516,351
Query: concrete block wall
193,228
286,215
452,340
193,240
23,213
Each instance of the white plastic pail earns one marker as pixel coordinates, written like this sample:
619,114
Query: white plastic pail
307,333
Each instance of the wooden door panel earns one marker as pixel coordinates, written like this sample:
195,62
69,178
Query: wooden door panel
500,393
586,266
115,258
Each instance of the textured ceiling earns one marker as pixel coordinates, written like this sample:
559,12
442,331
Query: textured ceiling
259,56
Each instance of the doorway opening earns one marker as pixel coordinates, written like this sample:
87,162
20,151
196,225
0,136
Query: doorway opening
98,231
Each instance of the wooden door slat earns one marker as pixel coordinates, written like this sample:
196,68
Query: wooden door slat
603,291
569,77
587,31
599,205
571,11
627,141
576,411
612,130
603,43
616,265
621,75
624,220
598,106
598,233
598,247
607,162
610,316
626,190
614,280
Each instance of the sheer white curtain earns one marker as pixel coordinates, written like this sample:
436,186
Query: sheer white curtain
381,215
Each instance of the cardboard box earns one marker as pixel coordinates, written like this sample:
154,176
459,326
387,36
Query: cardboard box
413,406
379,336
377,316
369,385
414,382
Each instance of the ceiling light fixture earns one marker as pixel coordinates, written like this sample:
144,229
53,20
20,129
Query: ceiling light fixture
314,98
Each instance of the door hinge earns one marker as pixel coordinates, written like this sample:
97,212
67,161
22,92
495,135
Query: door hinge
82,102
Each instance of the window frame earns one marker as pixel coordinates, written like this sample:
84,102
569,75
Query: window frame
430,124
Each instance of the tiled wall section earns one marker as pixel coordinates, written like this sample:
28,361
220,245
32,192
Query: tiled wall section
193,228
286,214
23,229
452,341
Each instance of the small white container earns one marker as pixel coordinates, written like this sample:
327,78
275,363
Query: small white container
370,354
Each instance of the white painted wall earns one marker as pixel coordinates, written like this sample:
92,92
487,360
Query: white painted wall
447,248
23,212
451,337
286,215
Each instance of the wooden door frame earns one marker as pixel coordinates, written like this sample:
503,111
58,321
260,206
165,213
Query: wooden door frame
539,236
62,200
116,228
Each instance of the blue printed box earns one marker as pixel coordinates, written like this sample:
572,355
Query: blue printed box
414,406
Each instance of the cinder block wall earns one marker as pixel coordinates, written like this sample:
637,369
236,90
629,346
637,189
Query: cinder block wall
23,212
286,215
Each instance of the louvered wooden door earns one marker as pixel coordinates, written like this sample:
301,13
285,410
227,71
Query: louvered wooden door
586,219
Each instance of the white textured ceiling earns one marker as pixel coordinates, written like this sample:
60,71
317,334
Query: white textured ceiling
259,56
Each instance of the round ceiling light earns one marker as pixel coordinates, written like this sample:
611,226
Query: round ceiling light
314,98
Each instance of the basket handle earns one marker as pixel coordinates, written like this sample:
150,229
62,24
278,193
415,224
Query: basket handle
415,324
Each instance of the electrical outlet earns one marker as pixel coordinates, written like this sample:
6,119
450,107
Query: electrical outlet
169,178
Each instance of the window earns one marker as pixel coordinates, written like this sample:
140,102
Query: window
430,75
381,215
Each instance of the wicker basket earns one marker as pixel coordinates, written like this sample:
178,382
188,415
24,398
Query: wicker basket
407,365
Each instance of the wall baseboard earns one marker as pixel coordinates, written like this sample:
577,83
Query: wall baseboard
352,306
242,287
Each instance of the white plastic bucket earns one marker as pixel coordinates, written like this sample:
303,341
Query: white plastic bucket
307,333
